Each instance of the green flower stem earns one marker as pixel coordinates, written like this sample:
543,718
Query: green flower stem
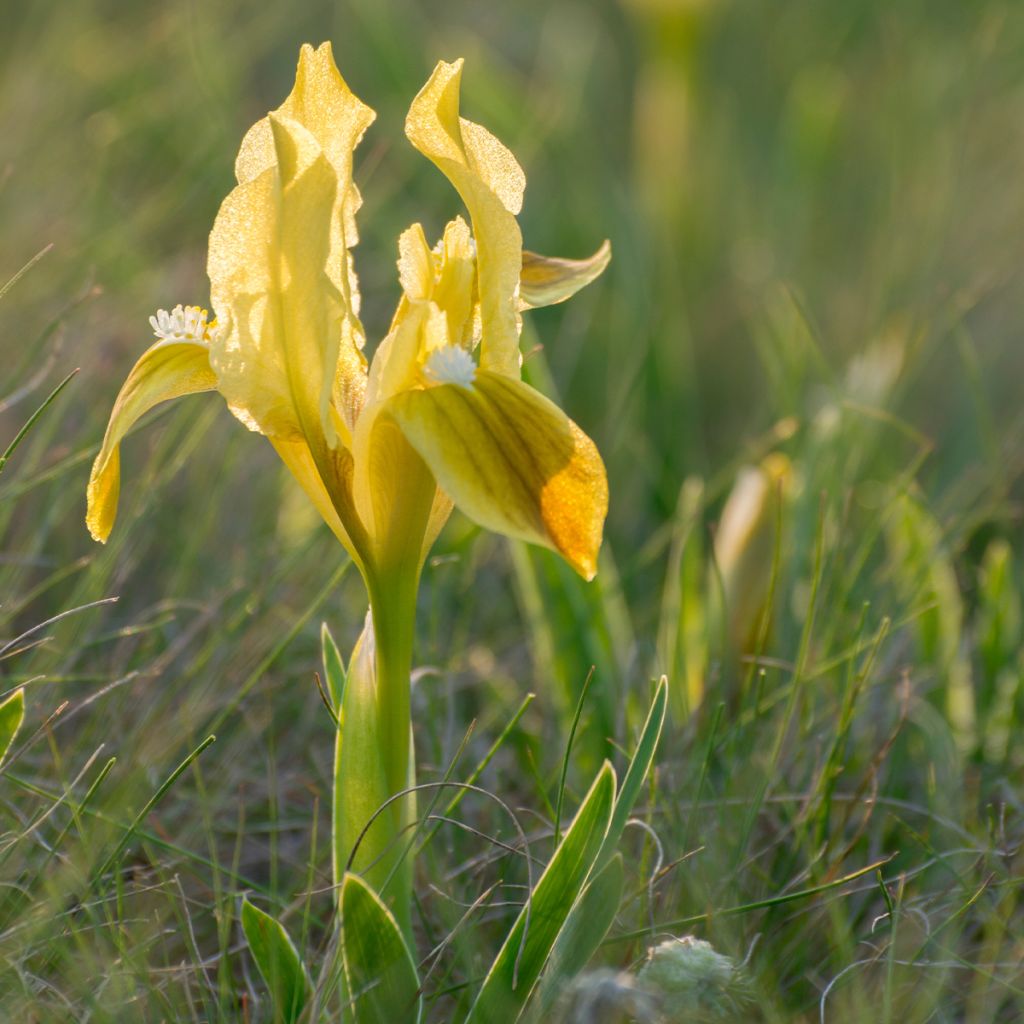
394,621
374,759
394,624
373,749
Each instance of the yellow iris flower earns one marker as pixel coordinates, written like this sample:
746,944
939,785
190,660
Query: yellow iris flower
440,415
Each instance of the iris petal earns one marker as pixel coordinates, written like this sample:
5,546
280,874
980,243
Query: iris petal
491,183
547,280
333,502
512,461
324,105
166,370
276,355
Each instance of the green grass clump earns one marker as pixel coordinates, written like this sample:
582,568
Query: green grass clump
819,239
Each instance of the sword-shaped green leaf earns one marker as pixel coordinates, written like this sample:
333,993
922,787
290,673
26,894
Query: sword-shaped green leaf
527,947
334,668
380,973
636,773
583,932
12,714
278,961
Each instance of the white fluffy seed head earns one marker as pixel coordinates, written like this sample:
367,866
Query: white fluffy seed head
450,365
183,323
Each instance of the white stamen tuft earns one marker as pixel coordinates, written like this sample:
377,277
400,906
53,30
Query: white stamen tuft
451,365
183,323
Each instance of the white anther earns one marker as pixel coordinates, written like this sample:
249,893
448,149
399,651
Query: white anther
451,365
183,323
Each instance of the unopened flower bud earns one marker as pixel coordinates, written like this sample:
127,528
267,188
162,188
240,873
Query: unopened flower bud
745,545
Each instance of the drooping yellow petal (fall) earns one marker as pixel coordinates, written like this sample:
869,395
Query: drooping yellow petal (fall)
276,354
168,369
546,280
511,460
491,185
324,105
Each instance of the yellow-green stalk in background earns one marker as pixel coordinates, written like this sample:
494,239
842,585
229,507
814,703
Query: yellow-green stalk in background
744,552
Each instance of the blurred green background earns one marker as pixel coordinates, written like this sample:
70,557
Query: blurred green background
863,157
817,222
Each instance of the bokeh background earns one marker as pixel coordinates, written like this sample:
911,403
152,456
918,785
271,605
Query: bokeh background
817,221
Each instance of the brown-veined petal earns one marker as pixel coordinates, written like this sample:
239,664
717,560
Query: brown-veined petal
512,461
440,510
334,503
491,183
166,370
324,105
277,350
547,280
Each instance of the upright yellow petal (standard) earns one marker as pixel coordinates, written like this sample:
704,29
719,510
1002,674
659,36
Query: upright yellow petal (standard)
547,280
446,275
324,105
415,264
276,355
511,460
491,184
166,370
455,288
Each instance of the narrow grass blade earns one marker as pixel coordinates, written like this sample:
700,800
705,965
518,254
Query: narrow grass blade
683,626
639,766
528,945
568,753
11,282
12,714
923,570
259,672
161,792
475,774
746,908
582,934
76,812
278,961
30,422
380,973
